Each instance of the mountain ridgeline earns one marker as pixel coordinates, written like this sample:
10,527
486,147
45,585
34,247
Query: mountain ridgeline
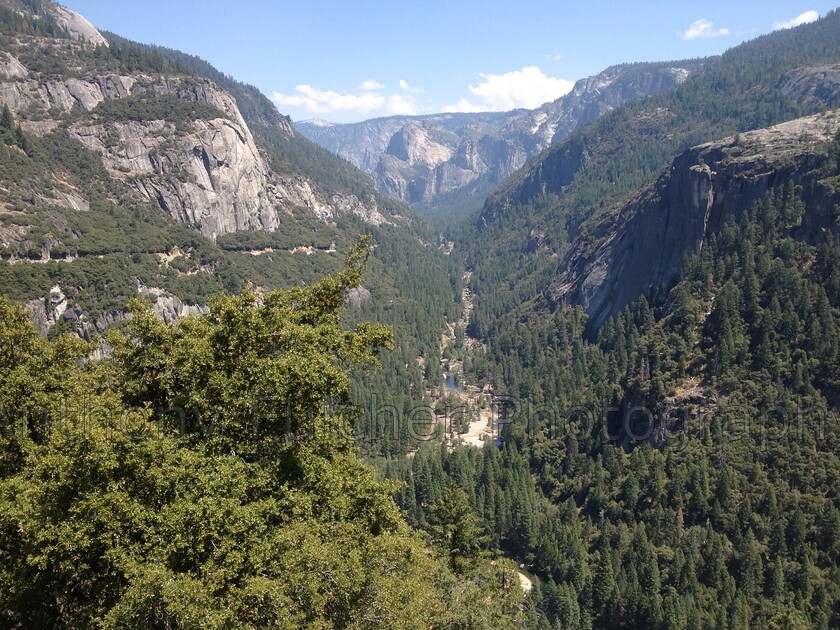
645,311
527,226
450,162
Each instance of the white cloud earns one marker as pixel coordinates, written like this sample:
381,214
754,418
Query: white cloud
401,105
803,18
317,101
557,57
405,86
370,85
528,88
324,101
703,29
463,105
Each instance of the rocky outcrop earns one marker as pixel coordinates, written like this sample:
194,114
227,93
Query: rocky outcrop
816,85
414,145
207,172
175,139
27,94
407,169
48,311
10,67
640,247
357,296
419,158
75,25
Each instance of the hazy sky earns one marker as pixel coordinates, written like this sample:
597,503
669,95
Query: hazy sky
348,61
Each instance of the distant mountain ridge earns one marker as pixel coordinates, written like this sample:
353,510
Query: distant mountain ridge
518,241
132,169
422,160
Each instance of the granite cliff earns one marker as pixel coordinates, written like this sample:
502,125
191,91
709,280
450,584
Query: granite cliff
178,139
641,246
132,170
421,159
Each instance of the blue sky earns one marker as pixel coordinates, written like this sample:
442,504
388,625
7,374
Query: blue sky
345,62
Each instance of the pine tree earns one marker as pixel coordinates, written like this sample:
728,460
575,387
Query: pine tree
6,120
456,529
750,570
775,584
604,587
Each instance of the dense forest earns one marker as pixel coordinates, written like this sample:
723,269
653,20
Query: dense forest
194,479
260,464
679,469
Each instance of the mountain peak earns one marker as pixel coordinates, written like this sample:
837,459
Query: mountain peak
317,122
67,20
76,26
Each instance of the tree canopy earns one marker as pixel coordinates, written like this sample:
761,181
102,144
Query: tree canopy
197,479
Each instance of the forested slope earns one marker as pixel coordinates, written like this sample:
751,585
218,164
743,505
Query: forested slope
678,470
194,479
114,184
539,211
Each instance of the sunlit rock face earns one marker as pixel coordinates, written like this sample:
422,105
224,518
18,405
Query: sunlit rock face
419,159
637,248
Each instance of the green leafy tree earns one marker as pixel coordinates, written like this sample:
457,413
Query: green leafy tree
112,516
258,369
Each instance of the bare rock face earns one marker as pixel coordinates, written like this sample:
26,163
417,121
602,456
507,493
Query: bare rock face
30,94
169,307
46,312
407,169
814,85
357,296
631,252
361,144
11,68
208,173
213,176
414,145
418,158
76,26
594,96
